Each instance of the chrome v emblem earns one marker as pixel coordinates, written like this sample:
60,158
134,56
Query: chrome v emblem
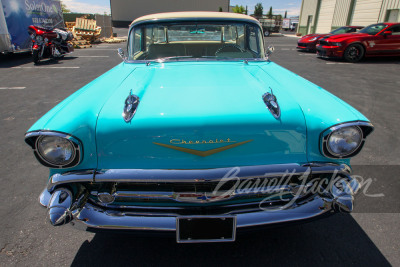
203,153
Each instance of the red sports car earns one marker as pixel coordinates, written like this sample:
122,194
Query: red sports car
309,41
382,39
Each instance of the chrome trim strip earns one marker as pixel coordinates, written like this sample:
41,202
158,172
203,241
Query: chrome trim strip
313,208
194,176
239,60
177,210
196,197
198,175
194,19
70,177
346,124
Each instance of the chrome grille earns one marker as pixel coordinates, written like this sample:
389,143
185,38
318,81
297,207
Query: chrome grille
196,193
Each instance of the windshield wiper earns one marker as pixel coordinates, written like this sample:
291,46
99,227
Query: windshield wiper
221,58
171,58
227,58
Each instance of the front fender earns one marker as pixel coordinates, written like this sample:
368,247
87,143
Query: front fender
77,115
321,109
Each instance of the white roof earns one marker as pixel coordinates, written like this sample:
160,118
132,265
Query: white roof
195,15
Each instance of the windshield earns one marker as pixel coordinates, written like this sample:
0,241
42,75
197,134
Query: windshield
343,30
183,41
373,29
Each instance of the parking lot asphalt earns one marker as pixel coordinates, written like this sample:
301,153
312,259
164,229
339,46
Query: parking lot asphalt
363,238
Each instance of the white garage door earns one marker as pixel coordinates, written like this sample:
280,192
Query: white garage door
393,15
366,12
325,16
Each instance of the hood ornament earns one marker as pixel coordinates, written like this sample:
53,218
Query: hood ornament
272,104
131,104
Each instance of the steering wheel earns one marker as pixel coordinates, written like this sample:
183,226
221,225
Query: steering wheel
227,46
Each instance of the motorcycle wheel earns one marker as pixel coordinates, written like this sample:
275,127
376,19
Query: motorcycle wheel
35,56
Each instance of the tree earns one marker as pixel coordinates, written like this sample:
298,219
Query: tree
258,10
285,14
64,8
239,9
270,14
220,9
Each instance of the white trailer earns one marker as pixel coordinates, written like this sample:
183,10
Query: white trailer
5,42
17,15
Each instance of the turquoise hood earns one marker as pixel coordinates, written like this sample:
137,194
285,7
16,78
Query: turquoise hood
214,109
199,102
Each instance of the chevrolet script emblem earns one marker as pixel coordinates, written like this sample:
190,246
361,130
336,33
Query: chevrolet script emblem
202,153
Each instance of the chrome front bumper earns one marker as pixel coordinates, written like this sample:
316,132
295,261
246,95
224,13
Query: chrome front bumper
95,217
64,207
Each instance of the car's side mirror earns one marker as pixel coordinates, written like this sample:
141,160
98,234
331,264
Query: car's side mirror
121,53
387,33
269,51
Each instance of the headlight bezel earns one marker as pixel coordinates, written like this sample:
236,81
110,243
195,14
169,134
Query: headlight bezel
365,129
39,39
32,139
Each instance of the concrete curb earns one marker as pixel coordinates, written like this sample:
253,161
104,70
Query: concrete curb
290,35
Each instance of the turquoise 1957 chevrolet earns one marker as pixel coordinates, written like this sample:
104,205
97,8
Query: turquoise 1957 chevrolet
197,133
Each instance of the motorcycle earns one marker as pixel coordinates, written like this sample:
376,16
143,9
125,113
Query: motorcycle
49,42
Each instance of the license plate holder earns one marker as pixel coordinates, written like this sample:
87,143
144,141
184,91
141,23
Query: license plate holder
198,229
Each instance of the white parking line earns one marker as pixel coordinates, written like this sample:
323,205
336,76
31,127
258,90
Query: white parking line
93,56
285,48
45,67
291,35
333,63
12,88
308,54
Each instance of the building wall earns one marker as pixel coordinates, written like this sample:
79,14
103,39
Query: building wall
366,12
331,14
326,16
389,5
341,13
308,8
123,12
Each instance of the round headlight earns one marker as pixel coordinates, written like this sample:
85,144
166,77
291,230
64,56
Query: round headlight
55,150
39,38
344,141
